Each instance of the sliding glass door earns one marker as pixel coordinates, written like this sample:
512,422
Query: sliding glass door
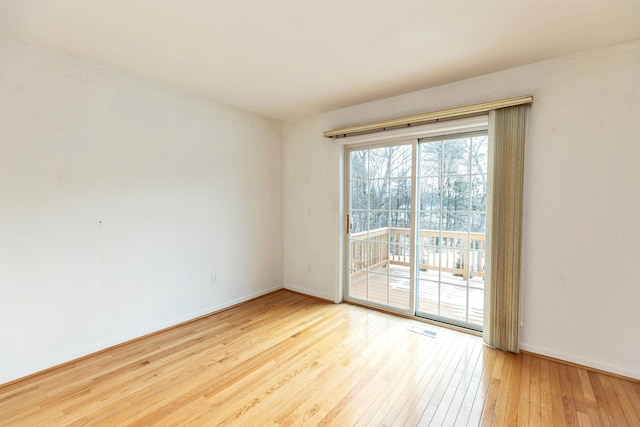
451,229
416,219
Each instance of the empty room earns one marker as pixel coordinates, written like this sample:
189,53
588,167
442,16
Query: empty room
319,212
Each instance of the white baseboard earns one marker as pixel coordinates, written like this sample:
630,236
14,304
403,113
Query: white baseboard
310,293
87,351
229,303
581,361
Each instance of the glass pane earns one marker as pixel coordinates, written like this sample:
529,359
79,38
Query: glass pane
478,223
429,262
379,194
400,252
399,291
462,266
378,288
399,271
430,158
479,151
379,222
476,268
400,219
477,241
428,297
429,220
378,254
379,163
358,251
449,259
358,284
453,302
476,306
456,269
477,262
359,196
400,194
358,164
399,236
476,282
455,193
455,221
401,161
478,193
455,159
358,221
429,191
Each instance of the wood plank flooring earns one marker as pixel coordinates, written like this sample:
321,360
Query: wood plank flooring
287,359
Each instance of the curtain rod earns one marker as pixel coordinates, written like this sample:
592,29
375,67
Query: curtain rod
420,118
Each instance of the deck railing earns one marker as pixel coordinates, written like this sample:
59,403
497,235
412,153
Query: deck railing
459,253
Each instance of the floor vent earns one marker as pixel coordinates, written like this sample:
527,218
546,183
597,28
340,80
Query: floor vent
422,331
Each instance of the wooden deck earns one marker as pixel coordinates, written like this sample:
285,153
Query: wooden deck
288,359
398,292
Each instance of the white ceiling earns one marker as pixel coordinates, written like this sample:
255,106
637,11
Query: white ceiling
289,58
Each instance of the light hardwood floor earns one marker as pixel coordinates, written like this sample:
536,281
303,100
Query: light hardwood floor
288,359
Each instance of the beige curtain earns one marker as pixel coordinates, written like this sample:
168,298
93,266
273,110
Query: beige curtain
502,298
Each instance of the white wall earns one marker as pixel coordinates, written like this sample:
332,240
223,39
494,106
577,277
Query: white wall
581,282
185,189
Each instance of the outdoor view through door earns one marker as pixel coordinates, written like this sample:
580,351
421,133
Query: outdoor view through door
434,266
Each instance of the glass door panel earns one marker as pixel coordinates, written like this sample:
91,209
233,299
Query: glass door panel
451,229
380,225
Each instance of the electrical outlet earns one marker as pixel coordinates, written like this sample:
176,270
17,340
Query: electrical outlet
214,278
309,268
